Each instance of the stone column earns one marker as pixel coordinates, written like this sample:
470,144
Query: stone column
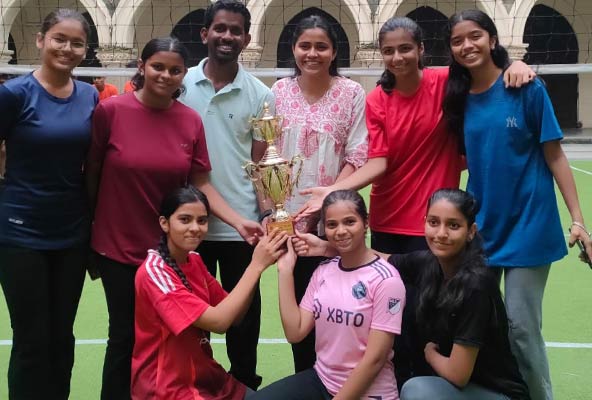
368,57
251,56
517,51
116,57
5,56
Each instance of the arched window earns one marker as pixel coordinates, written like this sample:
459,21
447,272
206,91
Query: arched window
91,59
12,46
432,23
188,31
551,40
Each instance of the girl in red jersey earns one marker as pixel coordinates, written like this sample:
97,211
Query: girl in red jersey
178,302
411,154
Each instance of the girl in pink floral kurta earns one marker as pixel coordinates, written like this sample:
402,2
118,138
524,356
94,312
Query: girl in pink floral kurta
324,122
328,133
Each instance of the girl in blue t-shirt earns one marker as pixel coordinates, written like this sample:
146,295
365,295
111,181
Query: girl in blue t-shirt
45,120
511,138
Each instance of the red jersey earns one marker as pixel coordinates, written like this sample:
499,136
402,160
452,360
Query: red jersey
145,153
108,91
422,154
129,87
172,359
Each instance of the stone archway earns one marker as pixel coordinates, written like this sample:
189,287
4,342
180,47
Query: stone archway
28,19
285,59
552,40
356,13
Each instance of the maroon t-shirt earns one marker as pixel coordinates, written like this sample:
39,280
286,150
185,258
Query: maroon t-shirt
145,154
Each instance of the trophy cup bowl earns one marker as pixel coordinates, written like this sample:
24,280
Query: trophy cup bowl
273,176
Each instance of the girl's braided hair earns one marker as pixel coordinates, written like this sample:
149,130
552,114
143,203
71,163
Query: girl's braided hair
164,252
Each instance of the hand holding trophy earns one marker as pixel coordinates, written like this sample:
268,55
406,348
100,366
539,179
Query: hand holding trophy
272,175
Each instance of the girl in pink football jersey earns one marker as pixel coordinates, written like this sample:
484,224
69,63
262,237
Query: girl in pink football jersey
462,322
354,301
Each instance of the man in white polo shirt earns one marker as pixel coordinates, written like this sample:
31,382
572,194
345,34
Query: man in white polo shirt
227,97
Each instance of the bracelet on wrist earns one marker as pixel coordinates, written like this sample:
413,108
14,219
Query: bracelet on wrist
581,226
265,214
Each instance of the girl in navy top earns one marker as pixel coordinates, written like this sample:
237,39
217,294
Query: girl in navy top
45,120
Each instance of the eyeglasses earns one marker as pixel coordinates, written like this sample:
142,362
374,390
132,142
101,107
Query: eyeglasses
76,46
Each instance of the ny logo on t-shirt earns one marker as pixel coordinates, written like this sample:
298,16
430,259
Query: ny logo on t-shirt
511,122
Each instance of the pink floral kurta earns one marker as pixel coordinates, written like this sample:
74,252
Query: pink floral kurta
327,134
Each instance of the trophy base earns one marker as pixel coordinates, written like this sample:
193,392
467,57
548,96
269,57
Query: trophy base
285,225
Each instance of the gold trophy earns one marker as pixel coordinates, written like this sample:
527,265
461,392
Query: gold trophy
272,175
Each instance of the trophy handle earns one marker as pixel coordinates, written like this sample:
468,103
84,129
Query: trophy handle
252,170
296,160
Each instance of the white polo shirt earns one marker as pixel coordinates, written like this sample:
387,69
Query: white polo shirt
226,116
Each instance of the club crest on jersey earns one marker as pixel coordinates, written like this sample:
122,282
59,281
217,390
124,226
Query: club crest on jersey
394,305
317,308
359,290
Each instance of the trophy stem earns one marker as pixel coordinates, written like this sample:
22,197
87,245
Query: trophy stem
281,219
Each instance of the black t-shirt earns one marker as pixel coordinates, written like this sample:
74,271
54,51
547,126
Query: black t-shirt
479,321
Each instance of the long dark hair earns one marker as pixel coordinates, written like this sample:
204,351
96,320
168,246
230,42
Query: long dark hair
312,22
459,80
388,81
345,195
61,14
170,204
439,297
154,46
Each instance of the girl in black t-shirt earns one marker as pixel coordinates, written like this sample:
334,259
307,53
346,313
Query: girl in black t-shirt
461,316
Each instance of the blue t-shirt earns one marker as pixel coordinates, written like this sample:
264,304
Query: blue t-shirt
43,203
504,134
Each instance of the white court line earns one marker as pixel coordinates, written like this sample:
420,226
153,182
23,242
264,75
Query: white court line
580,170
560,345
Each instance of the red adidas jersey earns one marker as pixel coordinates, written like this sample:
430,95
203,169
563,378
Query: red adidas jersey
172,359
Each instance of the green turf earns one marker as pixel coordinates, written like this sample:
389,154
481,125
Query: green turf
566,319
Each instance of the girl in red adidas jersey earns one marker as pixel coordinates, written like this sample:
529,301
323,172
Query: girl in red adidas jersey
178,302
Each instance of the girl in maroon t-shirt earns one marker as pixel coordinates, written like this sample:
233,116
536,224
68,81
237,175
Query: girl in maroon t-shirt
144,144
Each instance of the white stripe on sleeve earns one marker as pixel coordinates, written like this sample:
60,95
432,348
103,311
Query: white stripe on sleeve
153,269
